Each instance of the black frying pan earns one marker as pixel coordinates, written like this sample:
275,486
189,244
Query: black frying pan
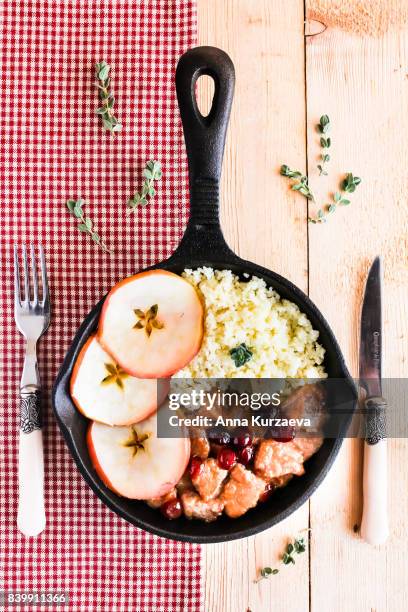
203,244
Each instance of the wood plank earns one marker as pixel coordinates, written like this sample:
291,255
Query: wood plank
264,223
361,83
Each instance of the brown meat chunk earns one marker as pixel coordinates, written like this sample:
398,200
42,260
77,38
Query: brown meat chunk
274,459
156,502
184,484
197,508
281,481
208,481
308,446
242,491
200,447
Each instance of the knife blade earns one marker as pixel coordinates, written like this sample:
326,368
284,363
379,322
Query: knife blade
371,333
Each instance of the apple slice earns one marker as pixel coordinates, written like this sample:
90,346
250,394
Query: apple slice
152,323
134,462
102,391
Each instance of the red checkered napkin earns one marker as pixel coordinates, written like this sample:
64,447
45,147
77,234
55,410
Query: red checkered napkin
53,148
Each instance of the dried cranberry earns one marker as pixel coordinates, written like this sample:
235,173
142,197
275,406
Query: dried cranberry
269,489
226,458
246,455
195,467
242,440
284,434
171,509
222,438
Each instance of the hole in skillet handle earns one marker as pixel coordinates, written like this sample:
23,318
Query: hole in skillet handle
204,94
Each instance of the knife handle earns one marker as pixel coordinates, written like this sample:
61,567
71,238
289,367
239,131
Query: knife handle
374,524
31,512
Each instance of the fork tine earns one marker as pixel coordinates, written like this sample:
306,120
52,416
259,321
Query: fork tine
17,289
35,275
46,295
26,276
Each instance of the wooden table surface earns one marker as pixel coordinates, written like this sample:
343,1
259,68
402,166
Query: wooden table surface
284,83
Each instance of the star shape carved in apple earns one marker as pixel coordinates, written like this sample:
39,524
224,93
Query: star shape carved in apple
115,375
136,441
148,320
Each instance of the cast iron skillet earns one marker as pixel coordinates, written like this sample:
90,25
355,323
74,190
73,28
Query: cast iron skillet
203,244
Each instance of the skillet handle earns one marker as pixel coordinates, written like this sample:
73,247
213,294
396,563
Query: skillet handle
204,136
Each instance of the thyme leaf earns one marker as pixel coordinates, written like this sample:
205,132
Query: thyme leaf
241,354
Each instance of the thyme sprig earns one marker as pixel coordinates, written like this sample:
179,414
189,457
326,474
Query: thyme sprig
348,185
86,224
302,182
109,121
297,546
325,142
152,172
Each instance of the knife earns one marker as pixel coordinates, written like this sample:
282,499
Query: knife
374,524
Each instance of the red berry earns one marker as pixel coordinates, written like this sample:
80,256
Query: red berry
269,489
284,434
226,458
195,467
242,440
246,455
171,509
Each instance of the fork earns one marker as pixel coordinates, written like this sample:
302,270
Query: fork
32,318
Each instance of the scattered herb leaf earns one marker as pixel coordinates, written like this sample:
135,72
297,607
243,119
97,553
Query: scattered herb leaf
152,172
105,111
241,354
75,207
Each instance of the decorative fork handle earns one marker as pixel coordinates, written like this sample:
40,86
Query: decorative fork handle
31,511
